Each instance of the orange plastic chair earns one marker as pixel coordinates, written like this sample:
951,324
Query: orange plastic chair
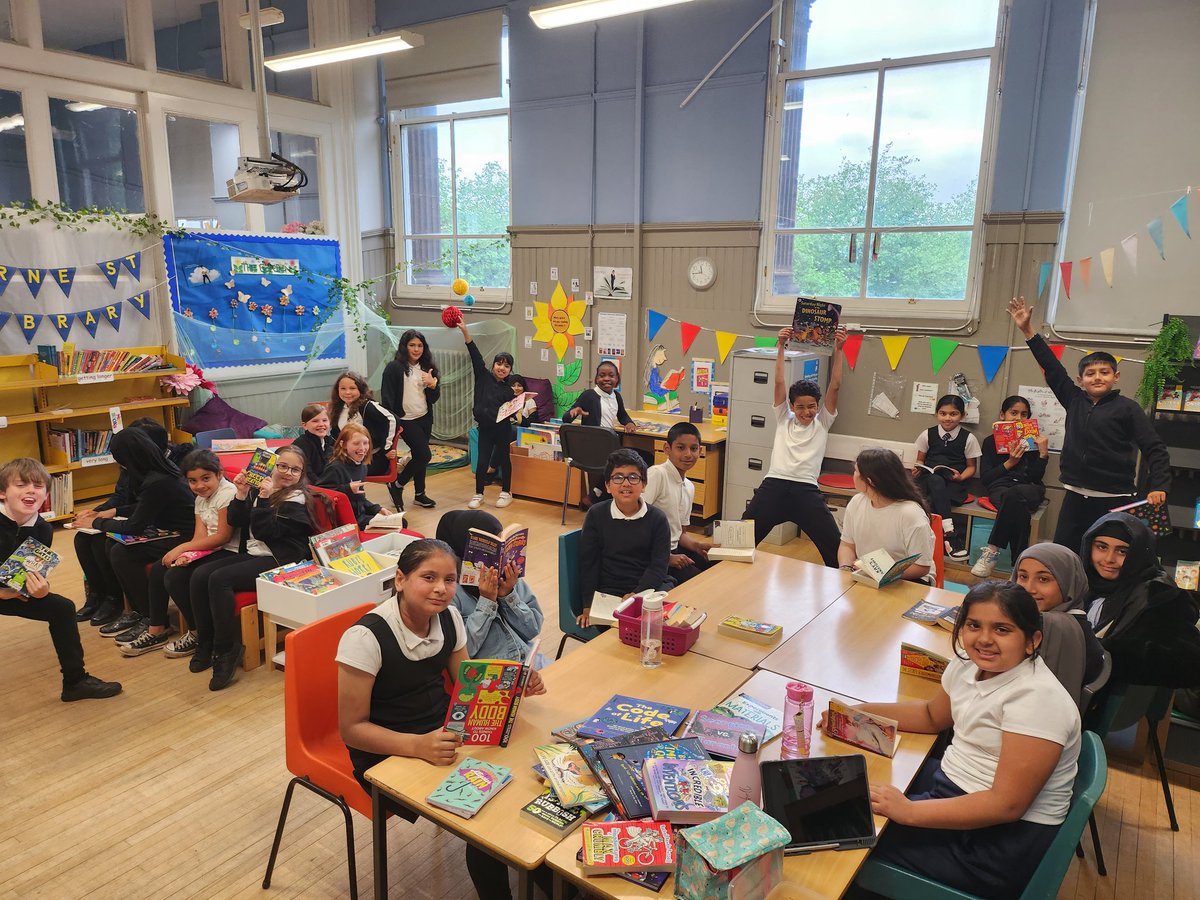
939,550
316,755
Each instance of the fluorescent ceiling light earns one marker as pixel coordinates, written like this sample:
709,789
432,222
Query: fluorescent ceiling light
8,123
388,43
572,12
84,106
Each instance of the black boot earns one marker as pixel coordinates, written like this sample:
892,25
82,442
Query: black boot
396,490
91,603
225,666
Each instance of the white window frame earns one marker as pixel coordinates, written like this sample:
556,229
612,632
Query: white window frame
766,301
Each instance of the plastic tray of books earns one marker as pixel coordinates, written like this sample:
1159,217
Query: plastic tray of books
676,641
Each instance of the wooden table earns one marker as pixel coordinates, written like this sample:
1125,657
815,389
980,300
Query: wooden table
853,647
825,874
576,685
777,589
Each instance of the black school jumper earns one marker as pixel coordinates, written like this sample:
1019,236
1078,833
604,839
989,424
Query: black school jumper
1016,493
618,556
337,477
316,453
416,431
940,490
494,437
379,427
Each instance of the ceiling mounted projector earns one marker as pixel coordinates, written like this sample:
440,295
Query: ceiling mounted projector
265,180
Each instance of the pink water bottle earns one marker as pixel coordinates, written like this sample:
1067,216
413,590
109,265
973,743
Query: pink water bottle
797,720
745,783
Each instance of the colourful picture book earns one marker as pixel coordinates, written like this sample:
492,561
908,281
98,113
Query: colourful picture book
358,564
495,550
472,784
1154,515
652,881
814,322
1187,575
922,663
570,733
335,543
260,467
302,576
31,556
486,697
514,406
595,806
590,750
1171,398
750,630
743,706
621,715
625,846
879,734
187,557
1191,399
929,613
1009,432
152,534
719,734
624,768
547,813
687,791
573,781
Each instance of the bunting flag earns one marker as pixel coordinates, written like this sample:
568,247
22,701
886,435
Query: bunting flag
687,334
1085,271
141,302
29,323
1179,211
5,276
112,313
62,322
940,350
1065,269
64,278
4,317
654,321
1129,245
34,278
1154,226
1057,350
851,348
133,262
991,357
893,346
88,320
725,341
1043,277
1106,263
769,341
111,269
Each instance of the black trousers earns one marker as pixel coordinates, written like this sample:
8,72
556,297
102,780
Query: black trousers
1015,504
1078,514
941,492
778,500
59,613
175,583
92,552
697,565
416,435
129,563
213,588
494,438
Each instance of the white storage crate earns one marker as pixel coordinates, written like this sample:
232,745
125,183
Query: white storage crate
293,607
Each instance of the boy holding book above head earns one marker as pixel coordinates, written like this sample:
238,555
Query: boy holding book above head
668,488
24,484
1105,431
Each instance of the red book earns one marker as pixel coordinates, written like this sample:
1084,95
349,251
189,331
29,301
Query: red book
485,699
642,846
1007,433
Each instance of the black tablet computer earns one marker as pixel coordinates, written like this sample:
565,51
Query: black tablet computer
824,802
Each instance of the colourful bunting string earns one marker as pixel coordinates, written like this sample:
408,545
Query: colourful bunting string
64,278
852,347
141,302
1180,212
687,334
1106,263
766,340
991,358
1085,271
33,278
1065,269
29,323
62,322
5,277
1043,276
112,313
940,350
110,269
893,346
1154,227
725,341
654,321
88,320
1057,350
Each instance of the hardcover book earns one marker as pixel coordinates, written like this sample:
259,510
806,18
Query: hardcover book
1191,399
814,322
624,767
546,812
743,706
923,663
879,734
621,715
573,782
590,750
494,550
750,630
719,734
1154,515
1009,432
260,467
472,784
1171,398
652,881
687,791
358,564
302,576
335,543
625,846
31,556
486,697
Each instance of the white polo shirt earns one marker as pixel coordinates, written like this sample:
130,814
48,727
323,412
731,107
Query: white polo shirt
617,514
673,494
799,449
209,508
972,450
608,408
359,648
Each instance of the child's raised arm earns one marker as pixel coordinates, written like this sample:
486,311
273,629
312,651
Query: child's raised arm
835,370
781,387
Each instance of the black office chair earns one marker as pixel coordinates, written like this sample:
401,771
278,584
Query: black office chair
585,447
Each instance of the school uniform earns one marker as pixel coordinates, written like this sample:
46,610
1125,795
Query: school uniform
945,448
410,401
1016,493
380,424
674,494
316,453
620,554
901,528
494,437
605,410
338,475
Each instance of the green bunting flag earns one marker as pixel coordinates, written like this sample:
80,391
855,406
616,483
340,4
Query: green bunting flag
940,350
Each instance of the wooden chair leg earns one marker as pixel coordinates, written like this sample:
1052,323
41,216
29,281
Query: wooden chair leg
271,632
251,638
566,493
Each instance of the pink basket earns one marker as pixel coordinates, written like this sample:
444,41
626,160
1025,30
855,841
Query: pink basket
676,641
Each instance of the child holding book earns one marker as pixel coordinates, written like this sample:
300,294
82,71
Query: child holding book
527,416
668,488
603,405
625,546
1104,433
316,442
501,616
409,389
491,392
981,818
1014,483
947,445
887,513
392,671
789,492
213,538
24,484
351,403
347,472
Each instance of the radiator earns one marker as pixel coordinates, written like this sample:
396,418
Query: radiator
452,413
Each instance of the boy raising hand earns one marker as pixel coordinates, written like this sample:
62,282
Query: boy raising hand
1105,431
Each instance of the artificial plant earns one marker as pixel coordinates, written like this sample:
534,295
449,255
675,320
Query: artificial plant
1168,353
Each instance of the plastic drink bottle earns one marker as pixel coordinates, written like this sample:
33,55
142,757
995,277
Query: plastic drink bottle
797,720
652,624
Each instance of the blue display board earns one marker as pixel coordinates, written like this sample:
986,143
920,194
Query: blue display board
254,300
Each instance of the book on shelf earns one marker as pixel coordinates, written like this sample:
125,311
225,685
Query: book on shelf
302,576
750,629
814,322
495,550
547,813
743,706
1008,433
610,848
574,783
687,791
1187,575
733,540
590,751
546,451
622,714
30,556
151,534
472,784
652,881
260,467
929,613
486,697
624,766
335,543
69,361
922,663
719,734
1170,399
80,443
872,732
360,564
1191,399
1155,515
514,406
877,568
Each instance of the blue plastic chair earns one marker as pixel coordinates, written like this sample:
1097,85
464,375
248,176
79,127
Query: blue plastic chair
204,439
901,884
570,602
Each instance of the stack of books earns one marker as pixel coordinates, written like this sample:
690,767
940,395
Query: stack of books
80,443
303,576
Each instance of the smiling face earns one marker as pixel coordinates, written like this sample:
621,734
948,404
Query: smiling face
607,378
993,641
1041,584
24,498
428,589
1108,556
629,493
289,466
1015,413
501,368
805,409
348,391
1098,379
358,446
203,482
415,347
683,452
948,417
318,425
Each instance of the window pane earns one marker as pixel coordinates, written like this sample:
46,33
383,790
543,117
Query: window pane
481,160
187,37
425,158
14,165
203,155
838,34
429,261
825,151
305,208
468,106
96,155
922,265
96,28
817,265
484,262
5,21
289,37
931,135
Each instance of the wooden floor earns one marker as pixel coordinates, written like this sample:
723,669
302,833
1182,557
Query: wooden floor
170,790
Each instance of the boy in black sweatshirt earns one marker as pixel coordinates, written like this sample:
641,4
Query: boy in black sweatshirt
1105,431
491,392
24,483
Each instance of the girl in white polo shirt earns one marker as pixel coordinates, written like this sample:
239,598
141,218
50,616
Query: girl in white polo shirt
981,819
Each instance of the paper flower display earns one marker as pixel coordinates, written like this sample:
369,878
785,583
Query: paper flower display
558,321
252,306
186,382
299,310
233,304
266,309
187,313
212,313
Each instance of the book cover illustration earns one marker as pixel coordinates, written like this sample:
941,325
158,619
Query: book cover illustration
31,556
750,630
1154,515
495,550
922,663
1009,432
719,734
187,557
621,715
260,467
570,733
514,406
360,564
624,766
1171,398
879,734
687,791
652,881
302,576
335,543
594,807
484,702
929,613
1191,399
472,784
589,750
152,534
1187,575
572,780
627,846
545,811
814,322
743,706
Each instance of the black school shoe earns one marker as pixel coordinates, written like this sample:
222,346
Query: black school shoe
201,659
225,667
423,501
120,625
396,492
109,611
89,687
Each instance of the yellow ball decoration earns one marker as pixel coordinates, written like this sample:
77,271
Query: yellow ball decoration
460,286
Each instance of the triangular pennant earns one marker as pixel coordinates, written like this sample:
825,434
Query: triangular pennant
991,357
893,346
1065,269
141,302
29,323
133,262
1106,263
654,321
34,278
4,317
64,278
769,340
1085,271
1179,211
852,347
725,341
1154,226
687,334
1129,245
1057,350
111,269
112,313
88,320
62,322
940,350
1044,276
1118,358
6,274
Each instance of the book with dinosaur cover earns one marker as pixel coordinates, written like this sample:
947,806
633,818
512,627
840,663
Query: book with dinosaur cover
814,322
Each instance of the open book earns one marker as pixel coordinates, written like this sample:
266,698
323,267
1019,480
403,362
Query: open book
876,733
877,569
386,522
604,608
515,405
934,470
496,550
734,540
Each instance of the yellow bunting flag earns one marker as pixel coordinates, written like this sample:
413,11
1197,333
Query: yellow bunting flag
725,341
1106,263
893,346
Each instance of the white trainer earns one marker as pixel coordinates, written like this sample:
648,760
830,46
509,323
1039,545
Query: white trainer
503,500
475,502
986,563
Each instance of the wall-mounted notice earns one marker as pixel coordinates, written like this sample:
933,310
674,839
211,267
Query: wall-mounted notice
610,334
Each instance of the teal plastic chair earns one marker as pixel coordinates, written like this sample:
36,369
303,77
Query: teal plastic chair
570,603
892,881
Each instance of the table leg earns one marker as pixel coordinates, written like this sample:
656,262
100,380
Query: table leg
379,842
560,890
524,884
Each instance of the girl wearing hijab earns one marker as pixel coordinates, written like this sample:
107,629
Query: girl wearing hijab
1054,577
1143,620
502,615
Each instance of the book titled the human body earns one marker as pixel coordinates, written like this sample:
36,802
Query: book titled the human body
814,322
486,697
485,549
621,715
472,784
1008,432
687,791
31,556
260,467
610,848
923,663
719,734
877,568
879,734
734,540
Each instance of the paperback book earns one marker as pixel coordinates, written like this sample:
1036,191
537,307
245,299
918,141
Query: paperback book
1191,399
610,848
929,613
922,663
514,406
743,706
948,471
734,540
590,750
750,630
1154,515
386,522
594,807
1009,432
260,467
1171,398
187,557
877,569
1187,575
485,549
652,881
687,791
302,576
152,534
624,767
621,715
31,556
814,322
879,734
358,564
335,543
486,697
603,610
574,783
472,784
547,813
719,734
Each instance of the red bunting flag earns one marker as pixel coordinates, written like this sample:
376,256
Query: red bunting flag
1057,350
687,334
1065,268
851,347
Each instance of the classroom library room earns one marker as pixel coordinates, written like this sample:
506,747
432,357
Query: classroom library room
551,449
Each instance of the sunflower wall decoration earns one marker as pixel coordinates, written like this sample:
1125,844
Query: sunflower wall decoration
558,321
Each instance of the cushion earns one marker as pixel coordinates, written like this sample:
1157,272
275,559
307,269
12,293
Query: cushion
837,480
544,399
216,413
987,504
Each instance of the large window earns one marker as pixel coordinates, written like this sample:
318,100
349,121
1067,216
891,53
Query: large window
96,28
187,37
14,165
96,155
876,162
290,37
203,155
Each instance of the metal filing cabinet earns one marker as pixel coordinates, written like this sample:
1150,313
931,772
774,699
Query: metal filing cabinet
751,433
